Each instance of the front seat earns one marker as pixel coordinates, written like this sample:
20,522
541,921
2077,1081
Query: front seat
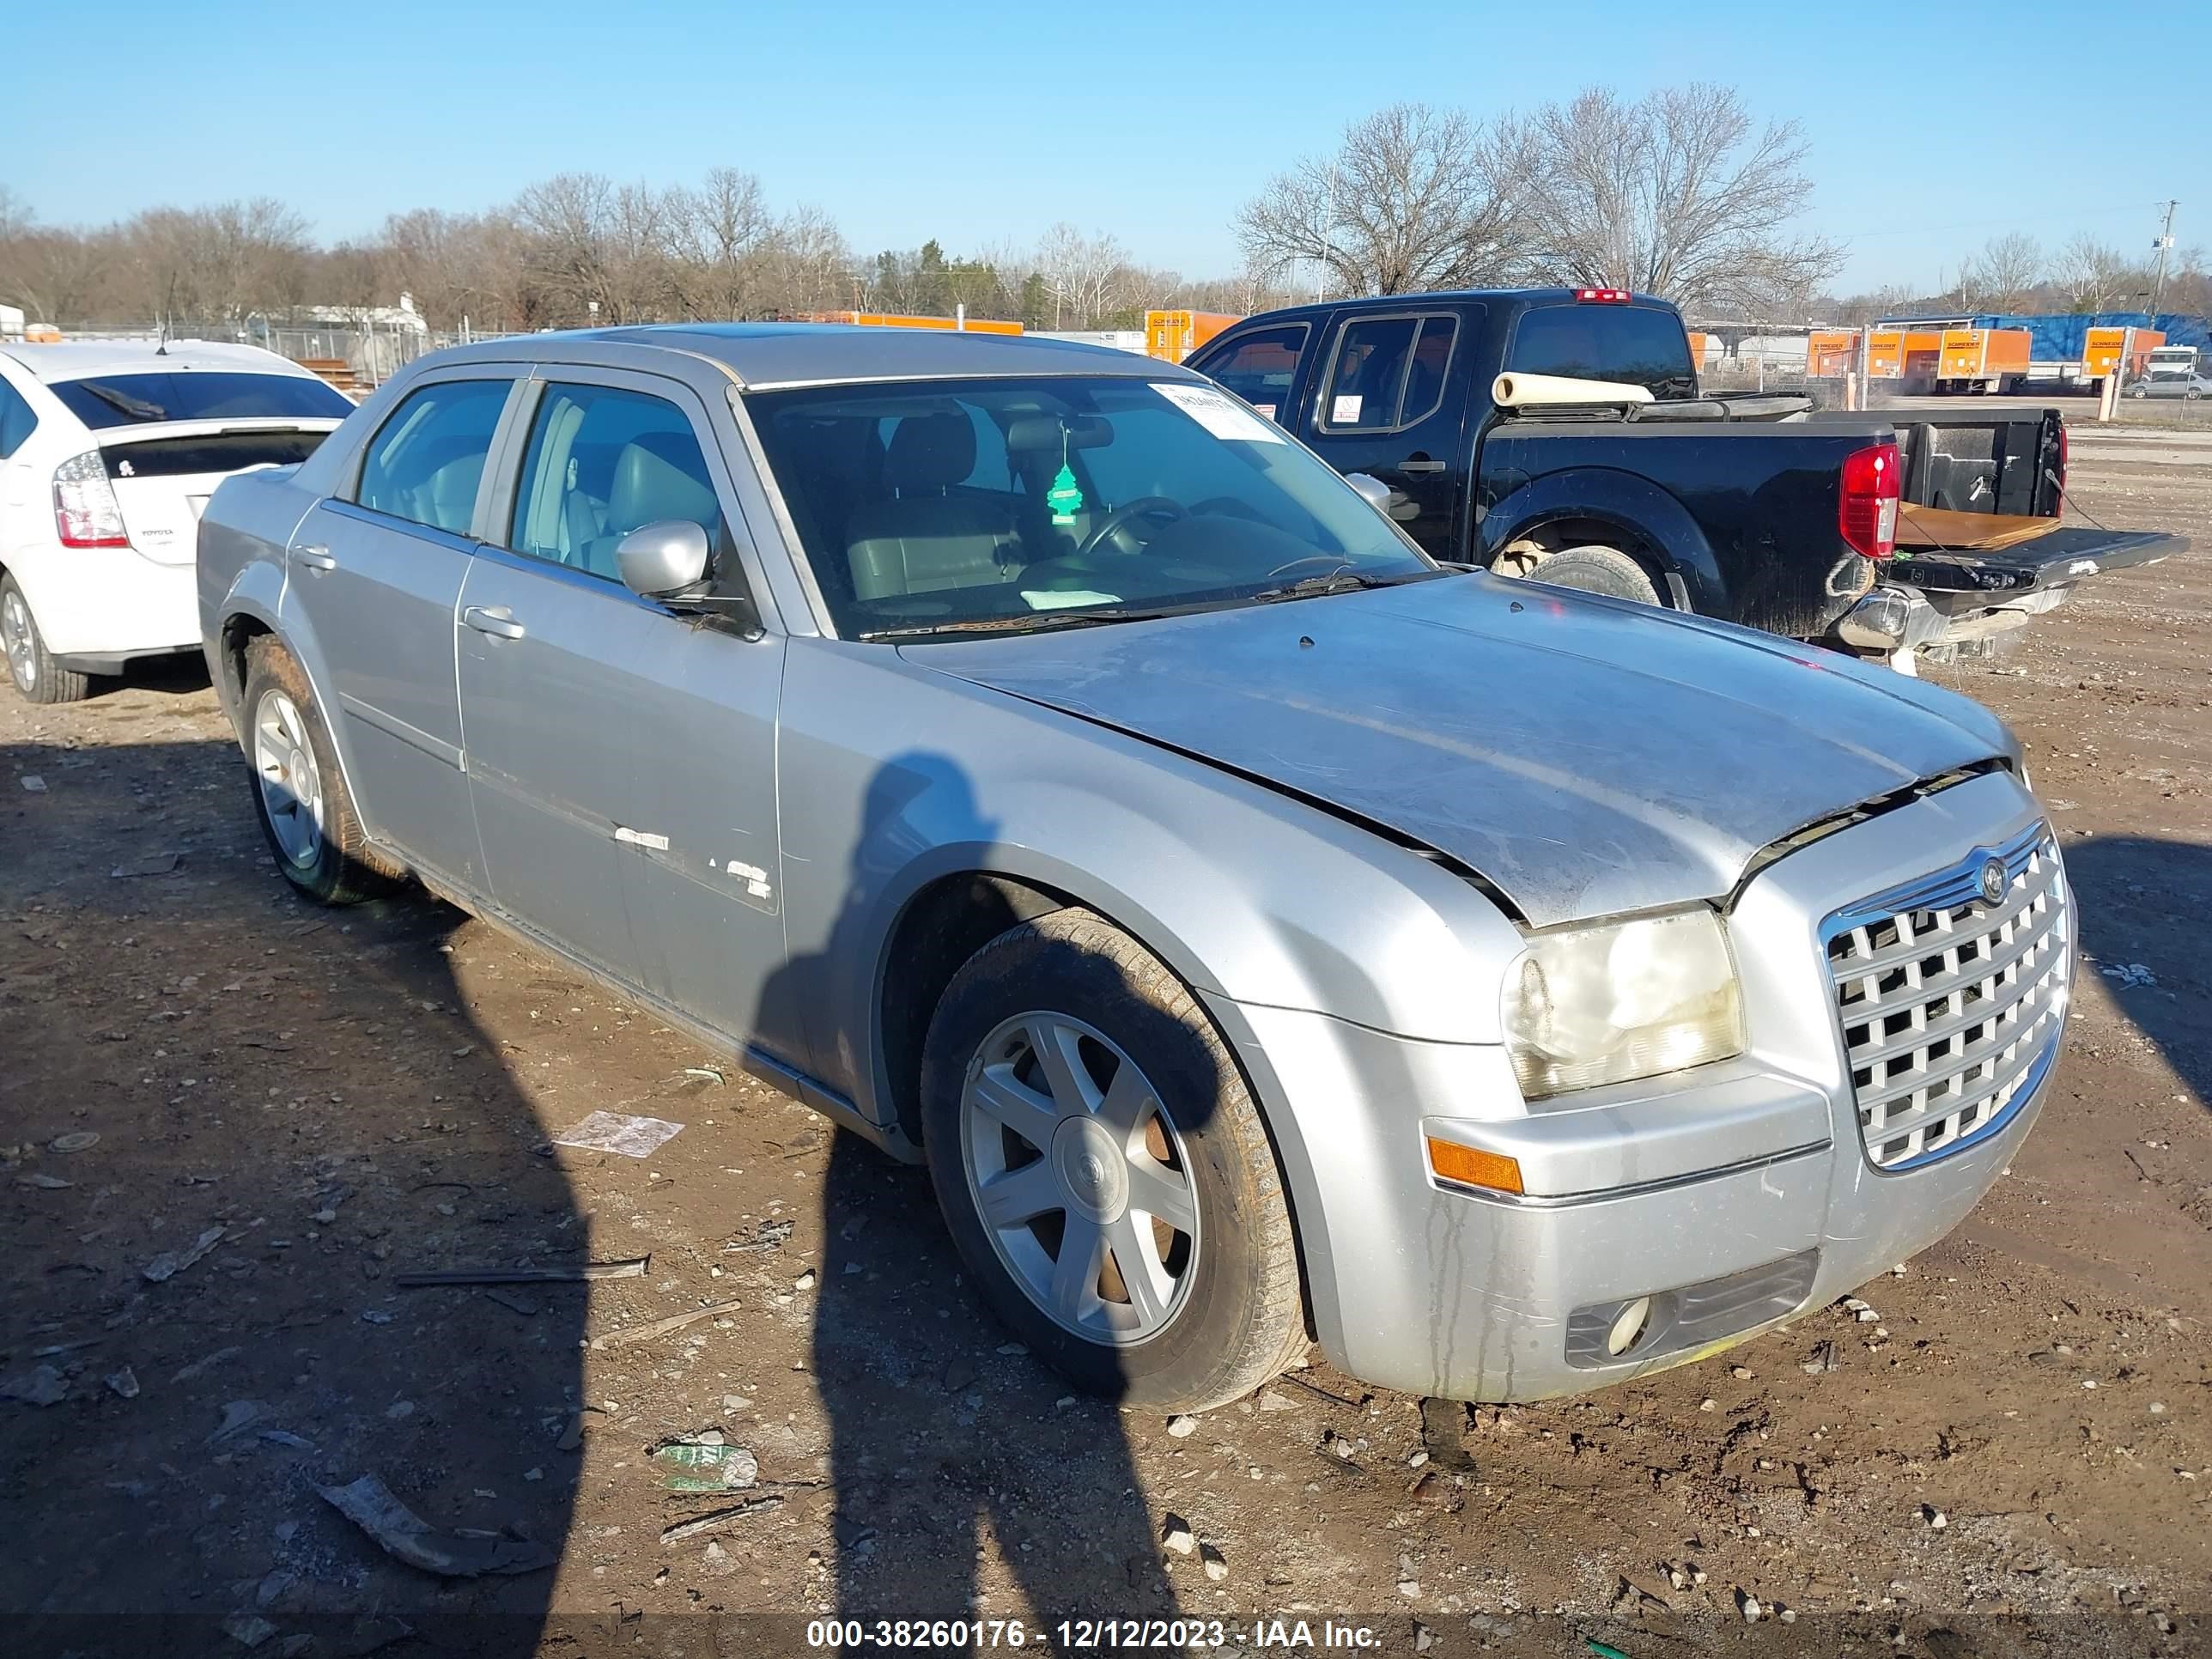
655,478
924,540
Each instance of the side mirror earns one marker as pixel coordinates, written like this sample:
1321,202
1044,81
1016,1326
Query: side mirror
656,560
1375,493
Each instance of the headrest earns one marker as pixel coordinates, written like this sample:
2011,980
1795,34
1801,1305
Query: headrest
656,478
928,451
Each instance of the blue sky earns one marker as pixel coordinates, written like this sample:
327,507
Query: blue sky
976,124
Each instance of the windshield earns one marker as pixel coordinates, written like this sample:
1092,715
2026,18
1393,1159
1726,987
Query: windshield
108,400
1014,504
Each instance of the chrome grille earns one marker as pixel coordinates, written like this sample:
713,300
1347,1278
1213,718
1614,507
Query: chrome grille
1950,1004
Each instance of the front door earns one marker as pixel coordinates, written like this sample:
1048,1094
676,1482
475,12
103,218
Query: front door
373,581
623,756
1389,404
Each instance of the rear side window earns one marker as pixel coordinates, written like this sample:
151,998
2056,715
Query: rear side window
1259,367
109,400
1389,372
602,463
16,420
425,462
1632,345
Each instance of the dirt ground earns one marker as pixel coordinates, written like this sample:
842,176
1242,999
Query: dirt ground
2014,1456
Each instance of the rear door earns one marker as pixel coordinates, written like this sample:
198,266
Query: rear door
1391,401
375,573
1260,365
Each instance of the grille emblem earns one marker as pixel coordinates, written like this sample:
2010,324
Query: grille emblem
1993,880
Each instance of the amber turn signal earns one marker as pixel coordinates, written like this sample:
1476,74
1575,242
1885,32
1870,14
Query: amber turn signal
1473,1167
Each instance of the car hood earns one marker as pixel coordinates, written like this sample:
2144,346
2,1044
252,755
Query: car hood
1585,755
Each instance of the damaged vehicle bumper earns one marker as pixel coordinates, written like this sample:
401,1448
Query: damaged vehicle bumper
1661,1221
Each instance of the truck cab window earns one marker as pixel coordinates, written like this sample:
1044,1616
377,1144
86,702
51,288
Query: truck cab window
1389,374
1259,367
1632,345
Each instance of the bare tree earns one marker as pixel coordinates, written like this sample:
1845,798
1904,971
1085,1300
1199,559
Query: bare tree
1415,197
2004,275
716,234
1084,274
2097,276
1677,195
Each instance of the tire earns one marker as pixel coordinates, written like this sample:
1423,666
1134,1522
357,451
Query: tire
31,666
318,842
1595,569
1226,1313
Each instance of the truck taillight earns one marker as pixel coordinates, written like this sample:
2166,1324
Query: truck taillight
85,510
1866,515
1603,297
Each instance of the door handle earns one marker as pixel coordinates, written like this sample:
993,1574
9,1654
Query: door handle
496,620
1420,464
315,558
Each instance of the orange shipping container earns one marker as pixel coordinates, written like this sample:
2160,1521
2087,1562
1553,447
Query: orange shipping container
1986,356
1899,353
886,320
1172,335
1830,354
2101,349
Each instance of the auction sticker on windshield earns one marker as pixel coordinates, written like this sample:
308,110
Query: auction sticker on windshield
1218,414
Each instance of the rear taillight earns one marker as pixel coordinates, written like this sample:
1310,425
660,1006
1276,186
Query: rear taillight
85,511
1866,515
1603,297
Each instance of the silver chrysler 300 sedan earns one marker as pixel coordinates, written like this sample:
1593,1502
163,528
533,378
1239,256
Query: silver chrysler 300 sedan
1030,758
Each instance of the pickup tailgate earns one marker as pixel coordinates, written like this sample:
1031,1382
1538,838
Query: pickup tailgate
2058,558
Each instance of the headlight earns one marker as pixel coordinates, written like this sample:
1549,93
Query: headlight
1622,1000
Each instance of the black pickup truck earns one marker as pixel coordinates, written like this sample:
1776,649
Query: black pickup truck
1560,434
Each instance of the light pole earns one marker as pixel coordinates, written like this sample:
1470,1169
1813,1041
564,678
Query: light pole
2164,246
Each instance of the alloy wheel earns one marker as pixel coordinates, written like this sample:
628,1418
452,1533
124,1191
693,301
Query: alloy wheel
291,782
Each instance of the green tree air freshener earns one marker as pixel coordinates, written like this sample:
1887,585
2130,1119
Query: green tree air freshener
1065,498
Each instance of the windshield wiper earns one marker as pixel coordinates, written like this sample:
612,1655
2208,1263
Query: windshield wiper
135,408
1336,581
1032,623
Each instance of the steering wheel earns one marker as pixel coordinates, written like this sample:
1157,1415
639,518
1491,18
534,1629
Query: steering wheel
1127,512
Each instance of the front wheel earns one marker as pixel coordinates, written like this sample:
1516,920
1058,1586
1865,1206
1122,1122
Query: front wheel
1104,1172
299,793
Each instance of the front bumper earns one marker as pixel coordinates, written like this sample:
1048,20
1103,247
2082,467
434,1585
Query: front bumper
1444,1290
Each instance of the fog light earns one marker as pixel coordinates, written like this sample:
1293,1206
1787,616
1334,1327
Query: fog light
1473,1167
1628,1327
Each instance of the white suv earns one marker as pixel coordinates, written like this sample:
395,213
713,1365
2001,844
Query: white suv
108,451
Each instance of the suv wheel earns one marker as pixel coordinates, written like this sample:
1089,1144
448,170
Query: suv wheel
1104,1172
1597,570
29,664
299,793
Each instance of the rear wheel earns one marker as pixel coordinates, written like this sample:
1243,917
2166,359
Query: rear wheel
1595,569
30,665
1104,1171
299,793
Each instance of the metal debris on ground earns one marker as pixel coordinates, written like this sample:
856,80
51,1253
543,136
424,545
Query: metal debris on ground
150,863
704,1464
633,1267
769,1236
44,1182
662,1327
170,1263
33,783
719,1519
405,1536
81,1140
1823,1361
619,1133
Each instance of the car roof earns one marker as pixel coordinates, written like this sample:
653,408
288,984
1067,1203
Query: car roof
77,360
1396,302
762,356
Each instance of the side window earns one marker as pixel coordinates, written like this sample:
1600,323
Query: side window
1259,367
1389,372
16,420
424,463
603,462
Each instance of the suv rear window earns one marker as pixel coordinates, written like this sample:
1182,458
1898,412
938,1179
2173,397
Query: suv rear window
111,400
1632,345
